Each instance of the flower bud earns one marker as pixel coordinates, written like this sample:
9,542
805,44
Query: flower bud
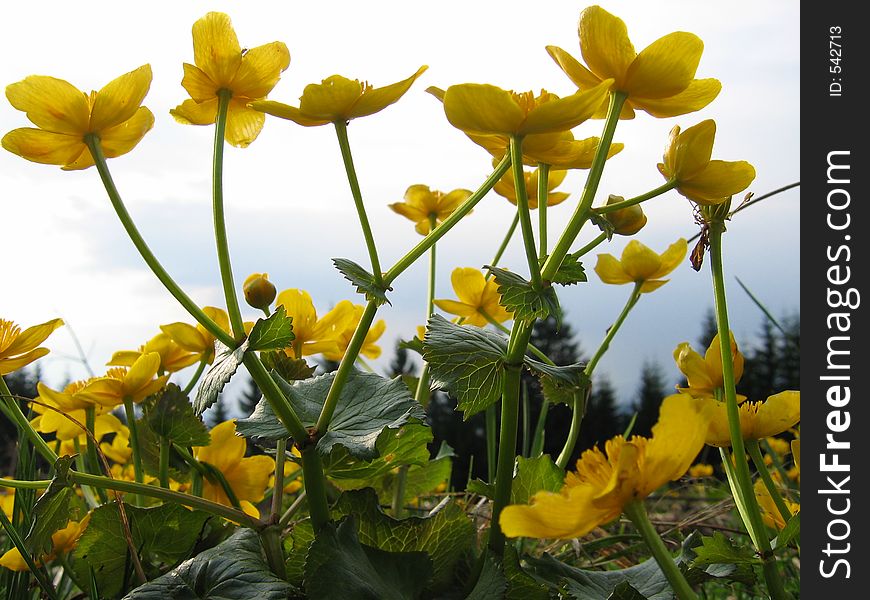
259,291
626,221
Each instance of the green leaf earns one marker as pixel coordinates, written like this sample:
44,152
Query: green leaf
421,478
395,447
603,224
415,344
340,567
367,405
481,488
571,271
698,571
522,299
52,510
272,333
296,547
362,280
491,585
446,535
149,450
171,415
163,535
625,591
290,369
520,585
534,475
231,570
226,362
720,549
467,362
791,531
560,383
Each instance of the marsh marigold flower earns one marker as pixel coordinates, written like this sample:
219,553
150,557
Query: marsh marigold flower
769,511
639,264
478,298
422,205
173,357
701,180
370,348
221,66
700,470
314,335
65,116
625,221
758,420
704,373
338,98
70,403
660,80
20,348
628,471
62,541
136,382
197,338
505,187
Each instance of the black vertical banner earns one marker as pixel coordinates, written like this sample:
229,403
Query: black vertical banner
835,431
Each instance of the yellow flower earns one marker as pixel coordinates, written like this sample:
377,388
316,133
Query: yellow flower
222,65
758,420
769,511
487,109
137,382
604,483
259,291
64,116
70,403
63,541
422,204
478,298
119,449
20,348
660,80
313,335
7,501
780,446
247,477
640,264
369,349
700,470
701,180
338,98
198,339
173,357
704,374
505,187
796,453
625,221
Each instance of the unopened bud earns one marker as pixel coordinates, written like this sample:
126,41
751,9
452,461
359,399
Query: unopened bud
625,221
259,291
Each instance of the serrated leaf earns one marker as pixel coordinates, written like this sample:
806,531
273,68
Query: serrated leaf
368,404
296,547
231,570
415,344
52,510
720,549
467,362
149,450
570,272
290,369
534,475
697,573
225,364
338,566
603,224
527,303
395,447
170,415
272,333
491,585
445,535
163,536
625,591
520,585
362,280
791,531
560,383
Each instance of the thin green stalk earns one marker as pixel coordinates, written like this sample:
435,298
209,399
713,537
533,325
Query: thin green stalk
577,413
315,487
164,462
12,410
215,475
491,416
90,500
591,245
344,144
130,411
399,492
195,311
540,433
23,484
609,208
743,479
527,421
200,369
755,454
593,178
270,540
447,224
38,572
636,512
288,514
220,226
543,197
504,243
523,211
532,348
278,488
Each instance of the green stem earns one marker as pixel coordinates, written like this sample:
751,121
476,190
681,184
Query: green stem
288,514
22,484
755,454
593,178
315,487
130,411
399,492
609,208
504,243
93,459
527,421
539,435
436,234
491,441
543,197
200,369
743,479
164,462
344,144
523,211
270,540
591,245
637,514
278,488
18,542
12,410
195,311
220,226
87,492
577,414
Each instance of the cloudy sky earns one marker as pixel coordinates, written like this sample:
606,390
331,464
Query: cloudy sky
287,200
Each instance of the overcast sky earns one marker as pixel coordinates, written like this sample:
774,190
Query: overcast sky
288,205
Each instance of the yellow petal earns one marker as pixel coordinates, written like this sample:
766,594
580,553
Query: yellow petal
13,561
285,111
468,284
482,108
226,449
620,488
260,70
119,99
451,201
123,358
51,104
122,138
198,84
370,349
32,337
640,263
610,270
666,67
216,48
243,124
332,99
142,372
692,149
699,94
551,515
250,477
779,413
566,113
191,113
671,258
719,180
676,440
105,391
341,317
605,45
377,99
44,147
582,77
420,197
411,212
796,452
459,308
300,307
693,366
652,285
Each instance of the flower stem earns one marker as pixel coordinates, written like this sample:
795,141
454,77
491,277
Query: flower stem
200,369
270,540
577,413
93,462
447,224
220,226
538,437
344,144
543,197
195,311
399,492
636,512
504,244
581,213
130,411
12,410
315,487
755,454
491,441
609,208
278,488
523,211
591,245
